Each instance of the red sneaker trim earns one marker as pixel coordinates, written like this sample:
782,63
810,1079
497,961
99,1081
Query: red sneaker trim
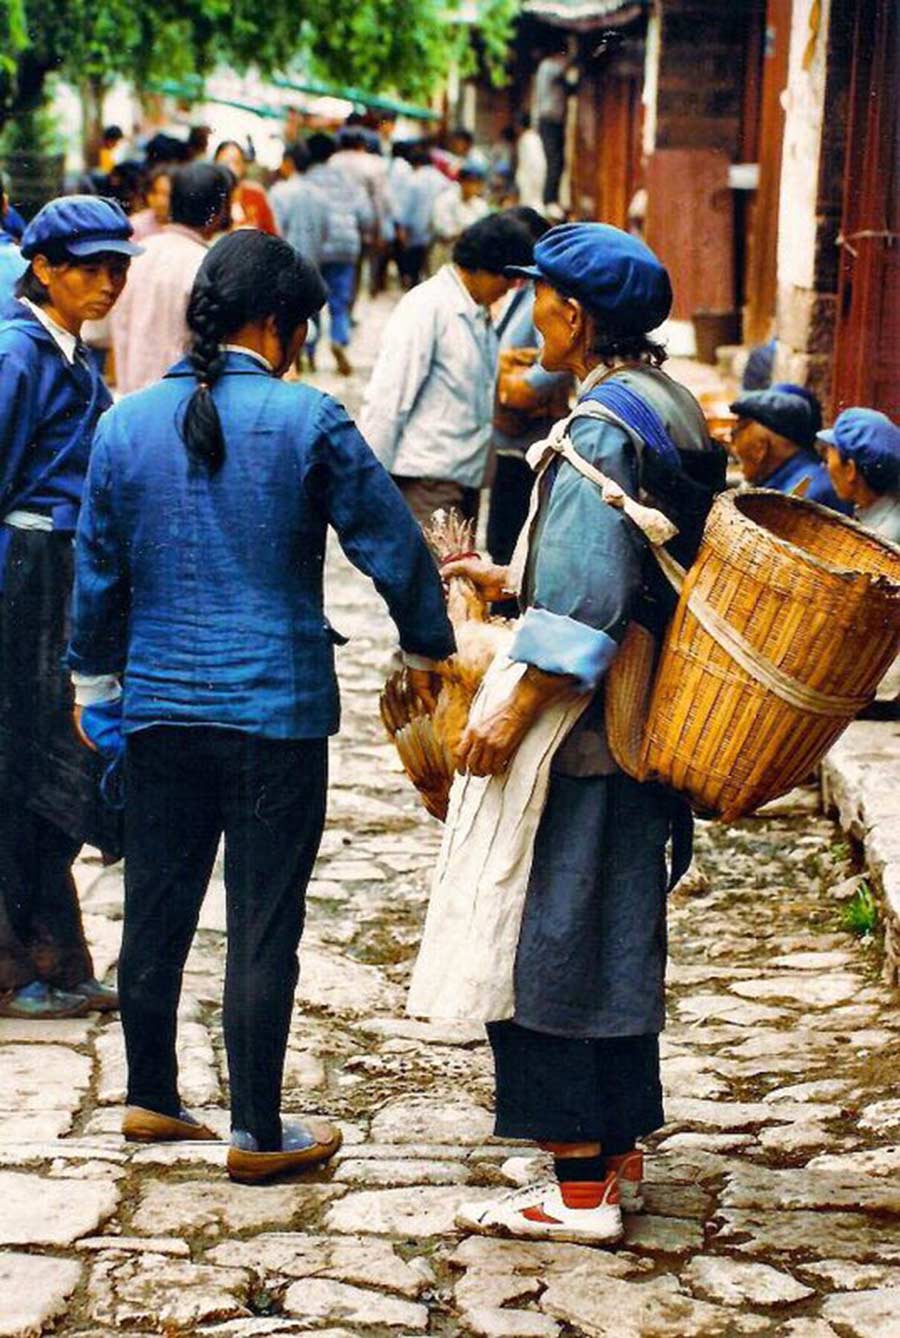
628,1166
590,1193
538,1215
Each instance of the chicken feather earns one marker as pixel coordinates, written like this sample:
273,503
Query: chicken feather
427,742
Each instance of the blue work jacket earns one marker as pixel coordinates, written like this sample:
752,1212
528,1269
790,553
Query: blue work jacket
47,406
205,591
12,267
803,466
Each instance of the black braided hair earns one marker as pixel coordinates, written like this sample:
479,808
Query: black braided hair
244,279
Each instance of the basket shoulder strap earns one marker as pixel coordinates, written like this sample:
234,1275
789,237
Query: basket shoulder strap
657,528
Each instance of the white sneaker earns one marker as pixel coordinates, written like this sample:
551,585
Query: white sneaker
629,1171
538,1212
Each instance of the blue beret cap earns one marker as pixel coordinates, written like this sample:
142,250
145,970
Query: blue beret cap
873,441
610,272
792,415
84,224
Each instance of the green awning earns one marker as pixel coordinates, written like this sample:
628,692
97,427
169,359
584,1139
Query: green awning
376,101
196,93
192,86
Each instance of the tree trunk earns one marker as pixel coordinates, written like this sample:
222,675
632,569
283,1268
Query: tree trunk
92,92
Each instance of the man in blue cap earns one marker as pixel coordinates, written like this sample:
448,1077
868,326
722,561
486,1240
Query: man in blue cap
774,442
77,250
577,1066
862,452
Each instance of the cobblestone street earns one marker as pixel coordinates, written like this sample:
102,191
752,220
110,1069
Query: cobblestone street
773,1194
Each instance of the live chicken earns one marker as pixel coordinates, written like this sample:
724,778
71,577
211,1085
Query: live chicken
427,742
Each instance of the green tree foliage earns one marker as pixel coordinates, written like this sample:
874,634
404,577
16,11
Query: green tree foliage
403,45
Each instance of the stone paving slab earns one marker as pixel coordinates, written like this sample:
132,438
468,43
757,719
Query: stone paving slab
771,1193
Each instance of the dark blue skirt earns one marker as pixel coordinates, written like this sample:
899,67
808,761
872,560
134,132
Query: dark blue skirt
559,1089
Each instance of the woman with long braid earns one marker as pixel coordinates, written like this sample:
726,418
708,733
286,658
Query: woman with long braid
199,572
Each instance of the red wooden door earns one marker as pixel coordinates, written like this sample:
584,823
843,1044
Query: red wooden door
762,243
867,342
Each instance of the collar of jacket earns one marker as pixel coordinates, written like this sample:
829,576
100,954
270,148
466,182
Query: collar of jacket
16,313
236,364
465,303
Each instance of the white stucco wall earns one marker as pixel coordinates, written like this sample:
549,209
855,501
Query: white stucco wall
804,104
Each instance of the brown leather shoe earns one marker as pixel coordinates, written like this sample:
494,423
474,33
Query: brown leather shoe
148,1126
252,1168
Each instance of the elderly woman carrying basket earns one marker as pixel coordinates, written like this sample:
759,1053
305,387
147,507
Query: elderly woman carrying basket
577,1062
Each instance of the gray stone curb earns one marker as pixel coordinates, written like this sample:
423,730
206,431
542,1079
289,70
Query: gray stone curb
861,784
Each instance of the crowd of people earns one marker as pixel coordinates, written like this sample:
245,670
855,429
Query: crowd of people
355,202
169,679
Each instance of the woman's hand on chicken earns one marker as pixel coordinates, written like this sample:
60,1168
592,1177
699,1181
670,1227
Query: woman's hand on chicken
488,579
487,747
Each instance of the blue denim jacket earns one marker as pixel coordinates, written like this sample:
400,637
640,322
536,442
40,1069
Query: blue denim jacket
206,592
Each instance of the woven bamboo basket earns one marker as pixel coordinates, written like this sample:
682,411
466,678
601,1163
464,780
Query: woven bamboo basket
786,622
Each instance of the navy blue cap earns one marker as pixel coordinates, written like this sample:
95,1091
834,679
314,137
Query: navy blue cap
610,272
84,224
791,388
873,441
786,412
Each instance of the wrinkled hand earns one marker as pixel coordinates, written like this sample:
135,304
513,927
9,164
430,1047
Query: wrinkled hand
425,685
489,579
487,747
76,718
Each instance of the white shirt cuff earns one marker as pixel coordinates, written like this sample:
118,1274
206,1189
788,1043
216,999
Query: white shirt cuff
92,688
417,661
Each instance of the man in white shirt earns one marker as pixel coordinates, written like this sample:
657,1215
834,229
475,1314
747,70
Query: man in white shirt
428,406
550,94
531,167
455,210
300,208
148,324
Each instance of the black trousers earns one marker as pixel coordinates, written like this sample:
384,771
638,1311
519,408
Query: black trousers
186,788
553,138
48,779
410,263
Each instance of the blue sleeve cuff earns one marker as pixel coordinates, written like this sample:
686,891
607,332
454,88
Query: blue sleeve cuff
560,645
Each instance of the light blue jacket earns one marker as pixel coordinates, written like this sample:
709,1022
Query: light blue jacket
206,591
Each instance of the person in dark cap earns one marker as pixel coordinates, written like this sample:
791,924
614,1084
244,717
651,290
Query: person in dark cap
774,442
862,452
78,251
577,1065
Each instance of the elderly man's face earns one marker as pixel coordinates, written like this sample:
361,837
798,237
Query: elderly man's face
560,321
843,474
750,446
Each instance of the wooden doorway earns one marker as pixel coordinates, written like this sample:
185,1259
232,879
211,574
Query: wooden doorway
763,144
867,340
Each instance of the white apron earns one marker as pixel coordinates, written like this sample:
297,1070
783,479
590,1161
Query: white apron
466,964
467,958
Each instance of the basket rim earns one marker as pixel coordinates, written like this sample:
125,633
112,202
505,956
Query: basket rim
732,498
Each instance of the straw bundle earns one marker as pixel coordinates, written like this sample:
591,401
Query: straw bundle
785,624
